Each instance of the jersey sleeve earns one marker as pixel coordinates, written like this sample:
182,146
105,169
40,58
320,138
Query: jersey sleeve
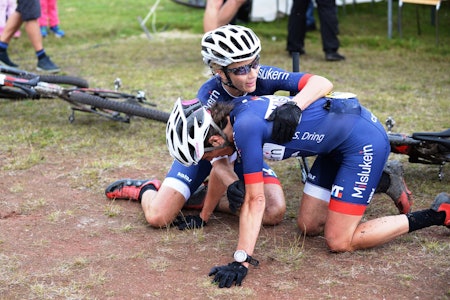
272,79
211,92
249,130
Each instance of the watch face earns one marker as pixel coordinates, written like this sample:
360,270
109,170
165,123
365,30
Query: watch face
240,256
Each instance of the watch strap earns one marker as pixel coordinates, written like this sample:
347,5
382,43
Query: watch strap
252,261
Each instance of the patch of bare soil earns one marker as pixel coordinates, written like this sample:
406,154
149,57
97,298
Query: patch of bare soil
62,240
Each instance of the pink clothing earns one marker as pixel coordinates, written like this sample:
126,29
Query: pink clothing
7,7
49,13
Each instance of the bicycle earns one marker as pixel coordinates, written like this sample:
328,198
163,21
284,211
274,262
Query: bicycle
421,147
112,104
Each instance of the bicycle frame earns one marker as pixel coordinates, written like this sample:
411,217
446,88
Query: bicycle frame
421,147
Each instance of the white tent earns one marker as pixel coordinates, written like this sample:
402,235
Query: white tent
268,10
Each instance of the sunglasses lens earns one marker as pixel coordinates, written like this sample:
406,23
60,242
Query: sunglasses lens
244,70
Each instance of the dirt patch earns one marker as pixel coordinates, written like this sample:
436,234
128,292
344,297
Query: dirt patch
60,240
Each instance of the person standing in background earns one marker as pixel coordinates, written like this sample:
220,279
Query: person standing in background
219,13
328,28
49,18
28,12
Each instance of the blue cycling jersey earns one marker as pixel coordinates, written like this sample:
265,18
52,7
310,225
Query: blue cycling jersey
270,80
350,143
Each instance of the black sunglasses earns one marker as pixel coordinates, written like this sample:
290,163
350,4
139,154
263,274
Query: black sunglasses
244,70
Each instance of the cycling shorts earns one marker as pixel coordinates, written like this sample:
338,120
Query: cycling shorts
348,176
186,180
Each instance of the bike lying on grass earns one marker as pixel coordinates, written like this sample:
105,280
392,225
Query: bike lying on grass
421,147
112,104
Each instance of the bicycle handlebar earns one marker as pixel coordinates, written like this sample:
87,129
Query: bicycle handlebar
26,85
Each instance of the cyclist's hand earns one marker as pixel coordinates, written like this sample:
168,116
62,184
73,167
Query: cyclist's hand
189,222
285,120
235,195
226,275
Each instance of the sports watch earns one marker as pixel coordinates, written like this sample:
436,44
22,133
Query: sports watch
242,256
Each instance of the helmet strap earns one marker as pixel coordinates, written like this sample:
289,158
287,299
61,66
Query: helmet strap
229,83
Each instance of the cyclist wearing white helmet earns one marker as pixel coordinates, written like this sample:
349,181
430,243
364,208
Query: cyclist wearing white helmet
188,124
232,52
350,146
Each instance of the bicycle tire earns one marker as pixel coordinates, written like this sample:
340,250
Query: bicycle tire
397,139
117,105
50,78
13,93
64,79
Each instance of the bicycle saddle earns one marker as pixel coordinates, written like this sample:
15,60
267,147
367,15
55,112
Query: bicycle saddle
442,137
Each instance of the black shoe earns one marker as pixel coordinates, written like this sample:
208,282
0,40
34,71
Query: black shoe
46,65
197,199
5,61
334,56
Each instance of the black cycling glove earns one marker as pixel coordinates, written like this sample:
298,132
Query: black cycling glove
226,275
189,222
285,120
235,195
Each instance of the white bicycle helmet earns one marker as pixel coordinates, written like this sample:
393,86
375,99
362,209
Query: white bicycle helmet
186,131
229,44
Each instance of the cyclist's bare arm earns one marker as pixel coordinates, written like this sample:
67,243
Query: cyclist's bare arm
316,87
218,13
220,177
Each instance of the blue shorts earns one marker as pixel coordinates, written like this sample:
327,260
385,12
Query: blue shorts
348,176
29,9
186,180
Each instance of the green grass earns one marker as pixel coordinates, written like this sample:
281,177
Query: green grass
407,79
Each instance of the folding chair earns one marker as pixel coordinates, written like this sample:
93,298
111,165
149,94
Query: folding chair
435,3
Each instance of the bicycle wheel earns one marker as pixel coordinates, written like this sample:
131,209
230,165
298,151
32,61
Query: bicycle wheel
56,79
113,105
398,139
64,80
13,93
